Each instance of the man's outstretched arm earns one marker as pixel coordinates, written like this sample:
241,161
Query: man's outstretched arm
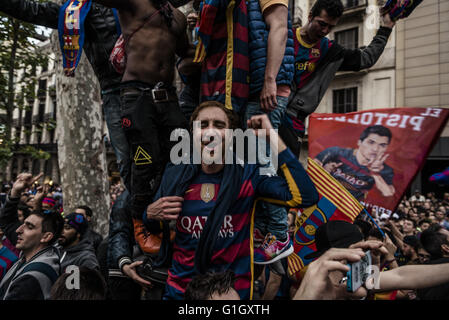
358,59
414,277
40,13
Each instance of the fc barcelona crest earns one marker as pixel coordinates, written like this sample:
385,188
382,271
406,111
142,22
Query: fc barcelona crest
207,192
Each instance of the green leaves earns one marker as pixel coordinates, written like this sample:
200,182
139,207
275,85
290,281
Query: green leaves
19,60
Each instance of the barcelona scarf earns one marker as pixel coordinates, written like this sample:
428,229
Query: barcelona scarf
71,32
399,9
441,177
222,49
335,203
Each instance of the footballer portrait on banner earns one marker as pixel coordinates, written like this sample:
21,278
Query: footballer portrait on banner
375,154
363,168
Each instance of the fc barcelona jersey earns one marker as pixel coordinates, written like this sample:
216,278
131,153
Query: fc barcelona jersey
353,176
307,57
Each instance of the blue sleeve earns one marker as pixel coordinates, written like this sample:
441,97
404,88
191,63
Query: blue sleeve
295,189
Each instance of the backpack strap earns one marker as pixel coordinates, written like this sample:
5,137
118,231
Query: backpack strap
117,21
127,39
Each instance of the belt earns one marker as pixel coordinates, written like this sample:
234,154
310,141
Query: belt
157,93
111,90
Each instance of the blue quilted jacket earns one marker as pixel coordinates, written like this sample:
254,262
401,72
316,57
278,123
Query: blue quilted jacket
258,37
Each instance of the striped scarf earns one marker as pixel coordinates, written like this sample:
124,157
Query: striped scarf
223,51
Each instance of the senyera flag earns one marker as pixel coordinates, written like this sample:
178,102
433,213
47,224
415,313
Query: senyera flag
362,160
375,154
335,203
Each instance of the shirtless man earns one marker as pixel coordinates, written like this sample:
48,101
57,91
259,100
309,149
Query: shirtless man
154,32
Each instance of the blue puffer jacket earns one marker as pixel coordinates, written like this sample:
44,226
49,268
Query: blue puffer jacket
258,37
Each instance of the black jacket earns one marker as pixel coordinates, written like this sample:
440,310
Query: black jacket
305,100
33,279
94,237
82,254
100,28
9,220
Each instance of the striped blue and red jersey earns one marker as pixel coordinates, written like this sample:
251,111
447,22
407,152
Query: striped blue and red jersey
7,259
308,56
307,59
233,248
223,49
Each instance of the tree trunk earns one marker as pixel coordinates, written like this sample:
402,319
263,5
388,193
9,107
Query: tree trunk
81,151
11,68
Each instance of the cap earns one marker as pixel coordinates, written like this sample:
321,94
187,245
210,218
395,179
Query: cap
49,201
335,234
77,221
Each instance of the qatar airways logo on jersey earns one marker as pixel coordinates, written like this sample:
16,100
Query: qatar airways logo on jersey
349,178
195,225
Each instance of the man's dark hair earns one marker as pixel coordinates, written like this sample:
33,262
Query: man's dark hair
88,210
203,286
334,8
364,227
92,286
377,129
409,219
432,240
24,208
374,232
52,221
422,221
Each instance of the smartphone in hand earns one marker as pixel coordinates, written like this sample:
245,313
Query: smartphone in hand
358,272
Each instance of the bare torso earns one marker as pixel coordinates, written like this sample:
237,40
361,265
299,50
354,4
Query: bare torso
151,50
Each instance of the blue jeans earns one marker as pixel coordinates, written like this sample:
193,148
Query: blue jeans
270,218
275,116
112,115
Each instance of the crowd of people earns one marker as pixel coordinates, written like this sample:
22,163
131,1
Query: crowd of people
213,229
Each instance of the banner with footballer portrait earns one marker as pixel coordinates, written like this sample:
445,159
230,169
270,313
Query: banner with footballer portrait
375,154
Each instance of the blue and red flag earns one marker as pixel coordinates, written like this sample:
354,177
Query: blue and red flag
335,203
441,177
71,32
399,9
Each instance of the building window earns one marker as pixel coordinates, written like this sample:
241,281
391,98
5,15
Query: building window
348,38
45,66
42,89
344,100
350,3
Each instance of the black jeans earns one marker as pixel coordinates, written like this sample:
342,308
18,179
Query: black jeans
148,125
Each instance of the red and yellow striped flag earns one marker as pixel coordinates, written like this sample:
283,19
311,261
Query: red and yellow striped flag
336,203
